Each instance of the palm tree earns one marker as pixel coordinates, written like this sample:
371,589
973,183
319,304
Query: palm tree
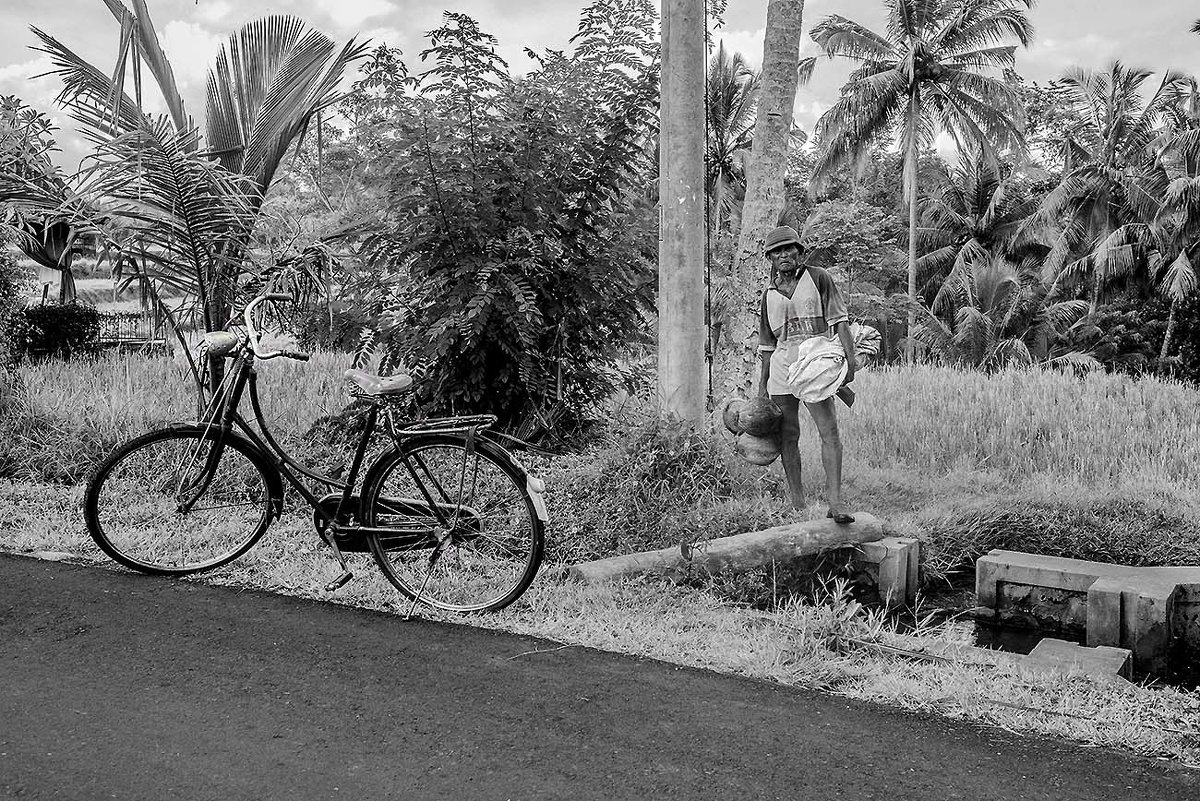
1177,225
1104,207
185,216
782,72
924,74
973,210
731,104
992,313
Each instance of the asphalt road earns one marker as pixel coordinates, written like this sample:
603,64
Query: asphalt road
115,685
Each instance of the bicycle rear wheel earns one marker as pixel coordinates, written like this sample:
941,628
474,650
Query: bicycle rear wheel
165,504
483,549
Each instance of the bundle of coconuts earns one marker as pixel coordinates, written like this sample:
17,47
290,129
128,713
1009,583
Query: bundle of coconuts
756,423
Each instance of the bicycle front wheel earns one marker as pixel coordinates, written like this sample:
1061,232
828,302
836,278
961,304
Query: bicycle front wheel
457,529
165,503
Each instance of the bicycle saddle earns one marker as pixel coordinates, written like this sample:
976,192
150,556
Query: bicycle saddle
379,385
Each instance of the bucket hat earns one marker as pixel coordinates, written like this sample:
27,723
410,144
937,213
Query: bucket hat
783,235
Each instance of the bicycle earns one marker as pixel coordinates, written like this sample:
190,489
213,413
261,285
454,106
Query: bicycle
452,519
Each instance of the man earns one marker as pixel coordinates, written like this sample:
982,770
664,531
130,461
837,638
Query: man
802,318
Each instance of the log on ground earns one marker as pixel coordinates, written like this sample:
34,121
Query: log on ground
739,553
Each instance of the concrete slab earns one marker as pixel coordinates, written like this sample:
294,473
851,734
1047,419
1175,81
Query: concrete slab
896,561
1101,661
1152,611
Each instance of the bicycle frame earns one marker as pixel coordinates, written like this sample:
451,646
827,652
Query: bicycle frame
223,414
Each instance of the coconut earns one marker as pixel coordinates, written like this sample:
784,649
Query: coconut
758,450
729,414
760,417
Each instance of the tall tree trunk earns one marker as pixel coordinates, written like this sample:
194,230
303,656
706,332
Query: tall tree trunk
913,170
1168,336
682,384
764,192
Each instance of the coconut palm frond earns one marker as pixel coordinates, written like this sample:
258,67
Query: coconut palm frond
270,79
1077,361
137,24
1180,278
88,94
1064,315
839,36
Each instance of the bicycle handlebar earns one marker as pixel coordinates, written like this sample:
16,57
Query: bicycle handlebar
253,334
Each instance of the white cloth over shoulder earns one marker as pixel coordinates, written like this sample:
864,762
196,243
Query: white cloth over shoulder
817,366
818,369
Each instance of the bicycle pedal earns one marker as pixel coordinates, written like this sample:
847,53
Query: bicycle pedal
339,582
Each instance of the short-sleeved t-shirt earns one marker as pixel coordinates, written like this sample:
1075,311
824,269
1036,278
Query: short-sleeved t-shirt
814,308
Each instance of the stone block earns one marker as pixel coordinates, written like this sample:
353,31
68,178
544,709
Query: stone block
1154,612
1106,612
1102,661
896,560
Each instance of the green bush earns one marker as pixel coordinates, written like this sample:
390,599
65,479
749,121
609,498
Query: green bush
66,330
316,329
653,484
521,288
16,283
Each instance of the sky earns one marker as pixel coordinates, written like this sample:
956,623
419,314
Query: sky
1088,33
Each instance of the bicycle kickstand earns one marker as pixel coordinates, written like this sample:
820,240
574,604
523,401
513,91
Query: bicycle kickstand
433,557
346,575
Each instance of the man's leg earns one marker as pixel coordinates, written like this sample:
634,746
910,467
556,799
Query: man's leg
825,416
789,447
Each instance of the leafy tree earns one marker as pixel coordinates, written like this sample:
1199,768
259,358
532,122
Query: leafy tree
1056,131
15,285
925,73
858,242
517,263
46,235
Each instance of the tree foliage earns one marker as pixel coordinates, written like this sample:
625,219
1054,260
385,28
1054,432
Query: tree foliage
991,314
515,268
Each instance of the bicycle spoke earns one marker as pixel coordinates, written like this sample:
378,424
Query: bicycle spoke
134,506
496,540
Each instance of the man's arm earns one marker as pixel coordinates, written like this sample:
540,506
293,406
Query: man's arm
766,345
766,371
843,332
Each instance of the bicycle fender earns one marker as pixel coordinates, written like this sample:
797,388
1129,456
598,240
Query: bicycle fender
274,479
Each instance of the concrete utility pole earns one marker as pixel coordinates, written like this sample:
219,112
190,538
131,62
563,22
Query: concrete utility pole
682,377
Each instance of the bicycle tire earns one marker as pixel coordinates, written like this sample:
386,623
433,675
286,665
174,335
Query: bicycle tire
493,556
129,499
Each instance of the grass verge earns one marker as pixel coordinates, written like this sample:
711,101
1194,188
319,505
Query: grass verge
794,644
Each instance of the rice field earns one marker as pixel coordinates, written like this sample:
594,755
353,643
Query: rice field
1098,429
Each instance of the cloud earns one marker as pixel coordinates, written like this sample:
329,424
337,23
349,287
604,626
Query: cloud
1054,54
212,12
748,43
191,50
18,73
352,13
